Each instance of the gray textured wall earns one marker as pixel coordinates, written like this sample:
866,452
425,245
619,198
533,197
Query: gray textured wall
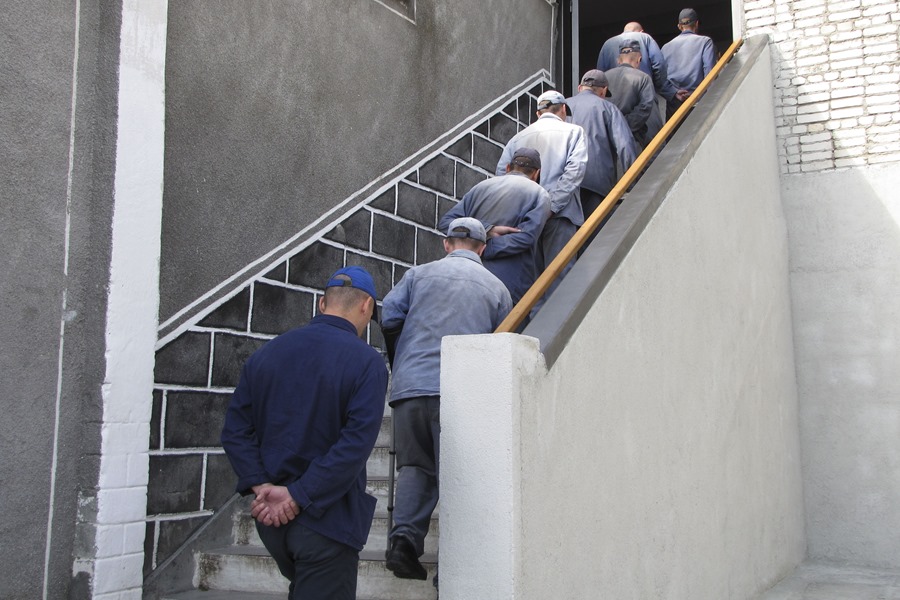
36,81
845,280
278,111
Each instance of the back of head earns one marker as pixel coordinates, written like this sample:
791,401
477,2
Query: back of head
629,52
464,244
526,160
633,27
688,18
553,102
465,233
596,81
342,299
347,289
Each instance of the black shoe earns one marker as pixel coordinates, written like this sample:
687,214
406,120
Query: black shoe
402,560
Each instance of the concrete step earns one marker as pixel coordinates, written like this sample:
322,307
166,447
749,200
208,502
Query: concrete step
378,534
249,569
384,434
221,595
378,464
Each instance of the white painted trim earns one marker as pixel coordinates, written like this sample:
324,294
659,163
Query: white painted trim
576,49
405,16
737,19
334,216
133,296
64,316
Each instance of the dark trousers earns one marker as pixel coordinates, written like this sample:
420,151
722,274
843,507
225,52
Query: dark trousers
318,567
417,440
556,234
590,201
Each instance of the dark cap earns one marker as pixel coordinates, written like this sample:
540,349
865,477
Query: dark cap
467,227
357,277
527,157
596,78
627,46
688,16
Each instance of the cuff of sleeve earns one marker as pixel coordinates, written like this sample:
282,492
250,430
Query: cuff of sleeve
245,484
303,500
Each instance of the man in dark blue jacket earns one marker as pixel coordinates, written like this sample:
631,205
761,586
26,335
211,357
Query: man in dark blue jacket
300,427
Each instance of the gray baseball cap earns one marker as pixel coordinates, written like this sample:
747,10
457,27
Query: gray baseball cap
596,78
688,16
527,157
467,227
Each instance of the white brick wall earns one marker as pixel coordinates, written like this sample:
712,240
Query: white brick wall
837,80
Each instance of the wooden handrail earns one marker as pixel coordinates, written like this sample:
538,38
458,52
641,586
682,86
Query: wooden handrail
534,293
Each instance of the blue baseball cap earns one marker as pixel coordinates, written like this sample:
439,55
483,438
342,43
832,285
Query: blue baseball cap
359,278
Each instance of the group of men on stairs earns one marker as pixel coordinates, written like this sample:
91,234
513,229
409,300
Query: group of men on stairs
307,410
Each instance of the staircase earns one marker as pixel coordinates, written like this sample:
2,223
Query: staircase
245,571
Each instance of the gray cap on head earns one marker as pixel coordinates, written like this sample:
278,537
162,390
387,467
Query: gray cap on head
628,46
596,78
467,227
527,157
549,98
688,16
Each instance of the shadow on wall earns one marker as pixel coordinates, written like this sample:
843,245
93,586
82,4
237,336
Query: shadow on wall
190,477
844,235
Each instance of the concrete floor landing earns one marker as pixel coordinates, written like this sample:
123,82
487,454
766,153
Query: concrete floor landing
827,582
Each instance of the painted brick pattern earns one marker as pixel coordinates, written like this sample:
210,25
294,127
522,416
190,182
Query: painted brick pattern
837,80
394,229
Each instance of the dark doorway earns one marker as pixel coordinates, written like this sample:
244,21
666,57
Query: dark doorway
598,21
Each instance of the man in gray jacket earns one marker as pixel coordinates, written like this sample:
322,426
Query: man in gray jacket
608,136
634,95
690,57
452,296
653,63
513,210
563,161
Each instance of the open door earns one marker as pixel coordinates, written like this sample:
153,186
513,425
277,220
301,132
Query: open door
585,24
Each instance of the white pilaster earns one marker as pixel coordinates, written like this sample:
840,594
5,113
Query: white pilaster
133,302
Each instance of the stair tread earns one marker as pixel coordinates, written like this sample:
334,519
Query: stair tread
225,595
375,555
222,595
378,555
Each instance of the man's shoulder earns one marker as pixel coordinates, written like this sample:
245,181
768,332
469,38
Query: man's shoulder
489,283
626,72
547,125
508,179
318,333
520,182
612,42
584,98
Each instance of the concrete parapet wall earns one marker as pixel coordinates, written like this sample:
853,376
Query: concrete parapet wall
658,456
